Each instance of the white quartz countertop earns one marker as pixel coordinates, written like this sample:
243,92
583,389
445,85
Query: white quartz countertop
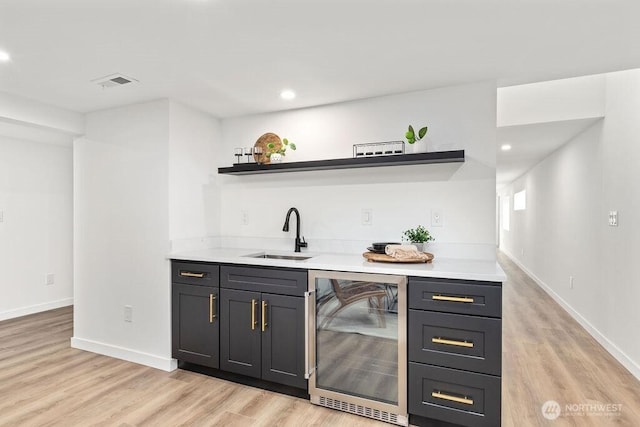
440,267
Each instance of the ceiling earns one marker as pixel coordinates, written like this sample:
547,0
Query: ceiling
233,57
531,143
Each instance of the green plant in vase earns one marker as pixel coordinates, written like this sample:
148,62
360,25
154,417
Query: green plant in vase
410,134
412,137
275,154
418,236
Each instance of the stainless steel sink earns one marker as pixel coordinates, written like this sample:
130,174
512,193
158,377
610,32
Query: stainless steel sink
280,256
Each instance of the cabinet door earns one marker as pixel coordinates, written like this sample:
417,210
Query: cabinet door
283,340
240,332
195,326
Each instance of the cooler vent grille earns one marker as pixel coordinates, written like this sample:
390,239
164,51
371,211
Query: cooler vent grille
360,410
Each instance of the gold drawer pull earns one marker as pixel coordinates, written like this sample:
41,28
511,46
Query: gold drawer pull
452,299
466,344
212,313
253,314
444,396
264,316
189,274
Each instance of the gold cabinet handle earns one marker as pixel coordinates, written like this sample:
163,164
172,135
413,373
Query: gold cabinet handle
457,399
438,340
452,299
212,307
264,316
253,314
190,274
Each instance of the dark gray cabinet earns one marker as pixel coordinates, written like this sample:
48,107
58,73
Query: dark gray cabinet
262,333
250,320
241,319
195,326
262,336
283,340
240,336
454,352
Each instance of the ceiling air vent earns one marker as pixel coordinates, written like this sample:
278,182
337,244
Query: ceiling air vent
114,80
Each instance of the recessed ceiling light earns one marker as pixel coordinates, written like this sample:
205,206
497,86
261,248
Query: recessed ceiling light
505,147
287,94
4,56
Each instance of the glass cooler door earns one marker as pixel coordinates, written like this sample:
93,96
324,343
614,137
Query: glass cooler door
360,339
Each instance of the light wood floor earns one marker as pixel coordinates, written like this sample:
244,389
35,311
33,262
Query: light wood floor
43,382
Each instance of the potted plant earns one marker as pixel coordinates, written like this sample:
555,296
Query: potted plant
275,154
418,236
412,137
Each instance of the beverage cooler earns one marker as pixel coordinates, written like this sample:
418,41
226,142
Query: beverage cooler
356,343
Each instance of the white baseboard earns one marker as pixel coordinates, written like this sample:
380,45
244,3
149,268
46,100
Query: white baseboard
127,354
613,349
37,308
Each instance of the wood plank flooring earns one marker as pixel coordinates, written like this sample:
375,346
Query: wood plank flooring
546,355
44,382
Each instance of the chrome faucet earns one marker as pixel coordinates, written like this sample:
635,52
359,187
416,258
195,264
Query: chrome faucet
300,243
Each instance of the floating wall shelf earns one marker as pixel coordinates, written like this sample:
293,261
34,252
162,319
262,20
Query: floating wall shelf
456,156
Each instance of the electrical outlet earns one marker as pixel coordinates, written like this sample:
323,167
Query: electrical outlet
570,282
128,313
437,218
613,218
244,218
367,216
51,279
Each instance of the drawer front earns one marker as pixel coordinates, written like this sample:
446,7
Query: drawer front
456,296
195,273
456,341
454,396
259,279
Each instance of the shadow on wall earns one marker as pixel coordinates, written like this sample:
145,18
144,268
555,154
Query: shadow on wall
470,170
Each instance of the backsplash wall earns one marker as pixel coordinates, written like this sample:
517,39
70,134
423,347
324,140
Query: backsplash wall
253,208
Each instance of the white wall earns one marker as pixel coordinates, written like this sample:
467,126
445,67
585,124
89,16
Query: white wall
331,202
142,177
564,230
36,229
557,100
194,211
121,226
620,291
16,109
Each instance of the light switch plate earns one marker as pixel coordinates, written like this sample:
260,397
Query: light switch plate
437,219
367,216
128,313
1,216
613,218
